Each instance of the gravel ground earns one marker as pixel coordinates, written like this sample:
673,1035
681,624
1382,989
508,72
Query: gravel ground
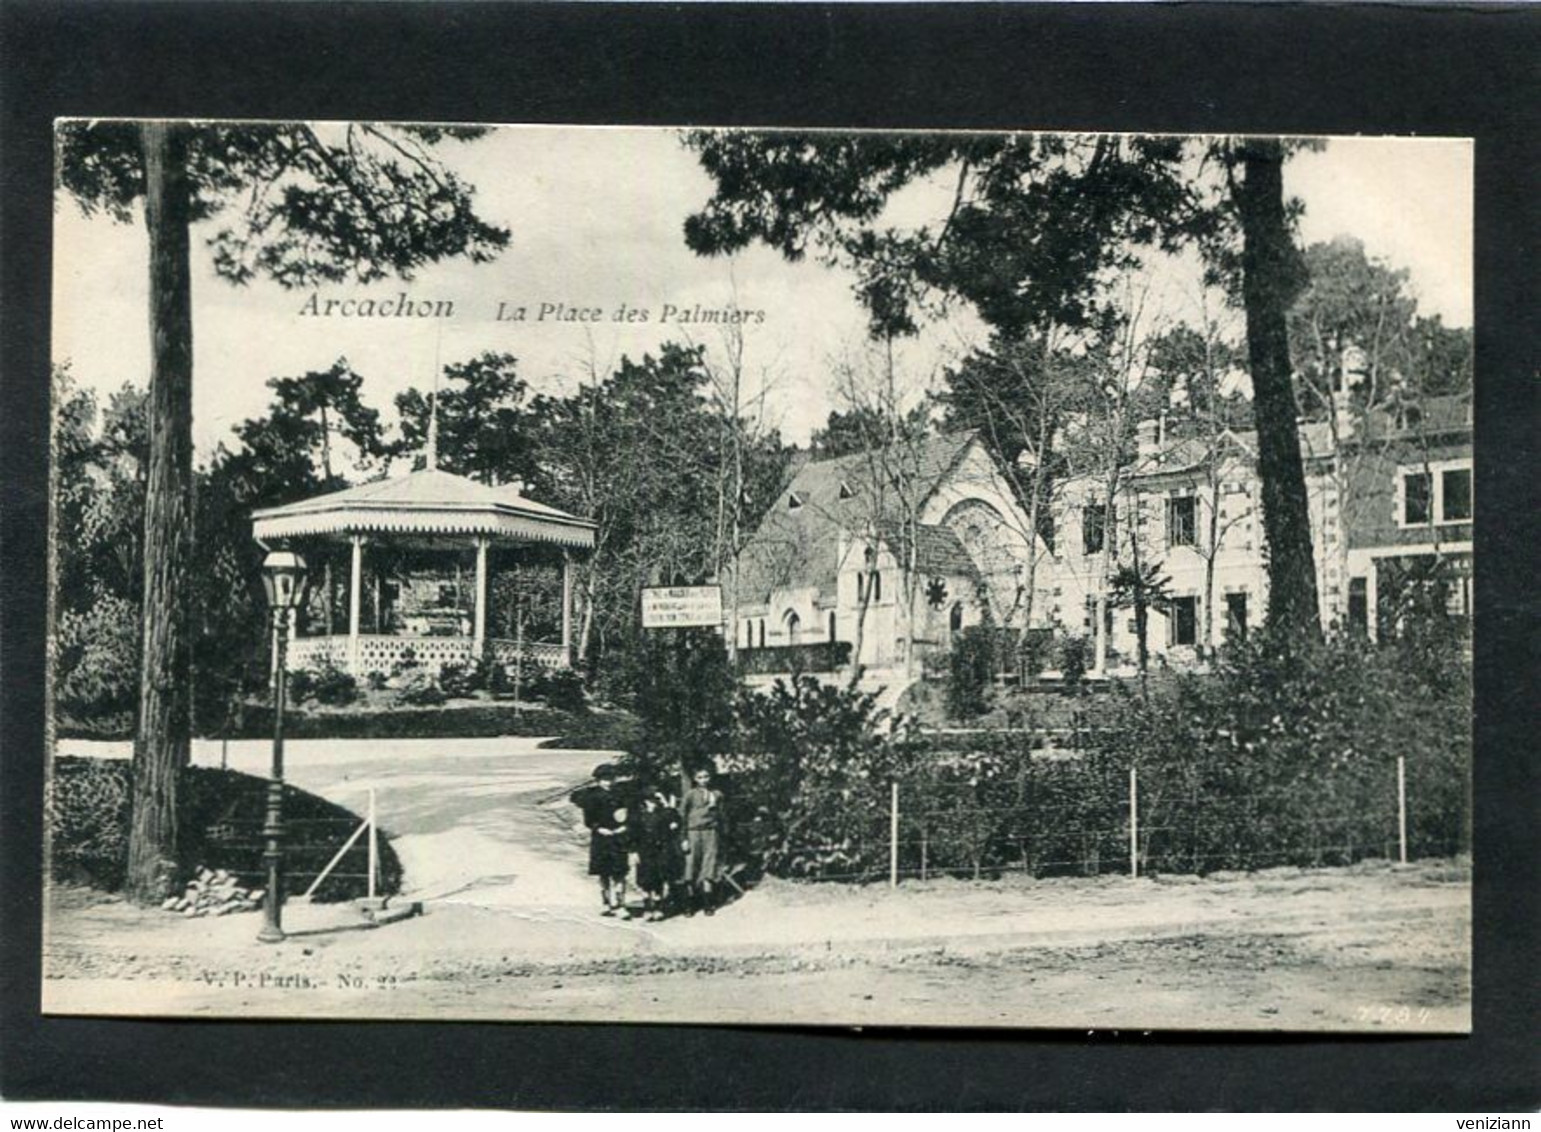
1342,949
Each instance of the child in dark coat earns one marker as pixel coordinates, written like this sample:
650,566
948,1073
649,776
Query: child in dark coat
656,839
605,814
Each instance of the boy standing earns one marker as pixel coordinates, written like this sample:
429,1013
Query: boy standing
701,811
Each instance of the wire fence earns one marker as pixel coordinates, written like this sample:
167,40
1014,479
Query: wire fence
1138,823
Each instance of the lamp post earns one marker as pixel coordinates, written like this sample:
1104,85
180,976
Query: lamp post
283,577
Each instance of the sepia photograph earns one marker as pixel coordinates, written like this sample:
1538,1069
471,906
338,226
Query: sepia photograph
760,576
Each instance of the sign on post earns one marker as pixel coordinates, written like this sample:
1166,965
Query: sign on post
681,607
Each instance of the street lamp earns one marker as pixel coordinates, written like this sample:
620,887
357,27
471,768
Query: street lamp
283,577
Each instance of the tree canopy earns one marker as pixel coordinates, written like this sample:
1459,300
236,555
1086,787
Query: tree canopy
1037,226
484,429
1036,220
299,204
1356,329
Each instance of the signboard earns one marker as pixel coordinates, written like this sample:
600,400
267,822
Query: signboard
680,607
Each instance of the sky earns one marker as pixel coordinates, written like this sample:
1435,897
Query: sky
596,217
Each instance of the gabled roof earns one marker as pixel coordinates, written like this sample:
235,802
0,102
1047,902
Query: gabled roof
800,546
1193,453
939,551
1442,414
427,501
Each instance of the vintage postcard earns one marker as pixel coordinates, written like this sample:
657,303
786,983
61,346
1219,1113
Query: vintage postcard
782,577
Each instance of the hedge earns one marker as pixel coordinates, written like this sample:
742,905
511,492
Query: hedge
220,815
821,656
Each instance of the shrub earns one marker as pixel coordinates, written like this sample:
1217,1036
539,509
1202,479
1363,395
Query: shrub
301,686
1287,755
326,683
562,689
375,681
813,769
1036,652
500,678
971,672
458,681
86,812
332,685
1003,804
1284,755
97,661
681,686
1075,659
416,687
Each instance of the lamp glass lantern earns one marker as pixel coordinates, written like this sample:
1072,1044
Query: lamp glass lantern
283,578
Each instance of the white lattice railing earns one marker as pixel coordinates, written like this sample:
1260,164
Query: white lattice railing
539,653
381,653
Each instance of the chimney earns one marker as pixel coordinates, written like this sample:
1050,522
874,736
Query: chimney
1147,436
1343,414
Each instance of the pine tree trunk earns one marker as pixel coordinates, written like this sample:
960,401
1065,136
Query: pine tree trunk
161,746
1272,277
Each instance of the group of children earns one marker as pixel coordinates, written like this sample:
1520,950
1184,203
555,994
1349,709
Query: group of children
676,843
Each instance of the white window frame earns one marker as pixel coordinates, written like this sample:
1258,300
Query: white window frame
1435,470
1171,622
1166,517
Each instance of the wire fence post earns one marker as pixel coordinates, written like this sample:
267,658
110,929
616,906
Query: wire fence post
1134,822
374,844
893,835
1402,809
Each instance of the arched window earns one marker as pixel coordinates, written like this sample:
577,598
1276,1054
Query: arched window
955,618
793,625
762,632
831,624
877,585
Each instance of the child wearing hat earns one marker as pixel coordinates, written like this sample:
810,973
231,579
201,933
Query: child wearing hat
605,814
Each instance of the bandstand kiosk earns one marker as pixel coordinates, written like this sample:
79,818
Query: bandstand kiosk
428,515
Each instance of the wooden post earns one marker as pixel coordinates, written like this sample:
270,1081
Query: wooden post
1134,822
893,836
355,584
1402,808
479,634
336,858
567,609
519,658
374,844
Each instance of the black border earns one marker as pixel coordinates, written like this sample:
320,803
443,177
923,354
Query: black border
1463,71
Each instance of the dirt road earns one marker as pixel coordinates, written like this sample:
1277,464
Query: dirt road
511,930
